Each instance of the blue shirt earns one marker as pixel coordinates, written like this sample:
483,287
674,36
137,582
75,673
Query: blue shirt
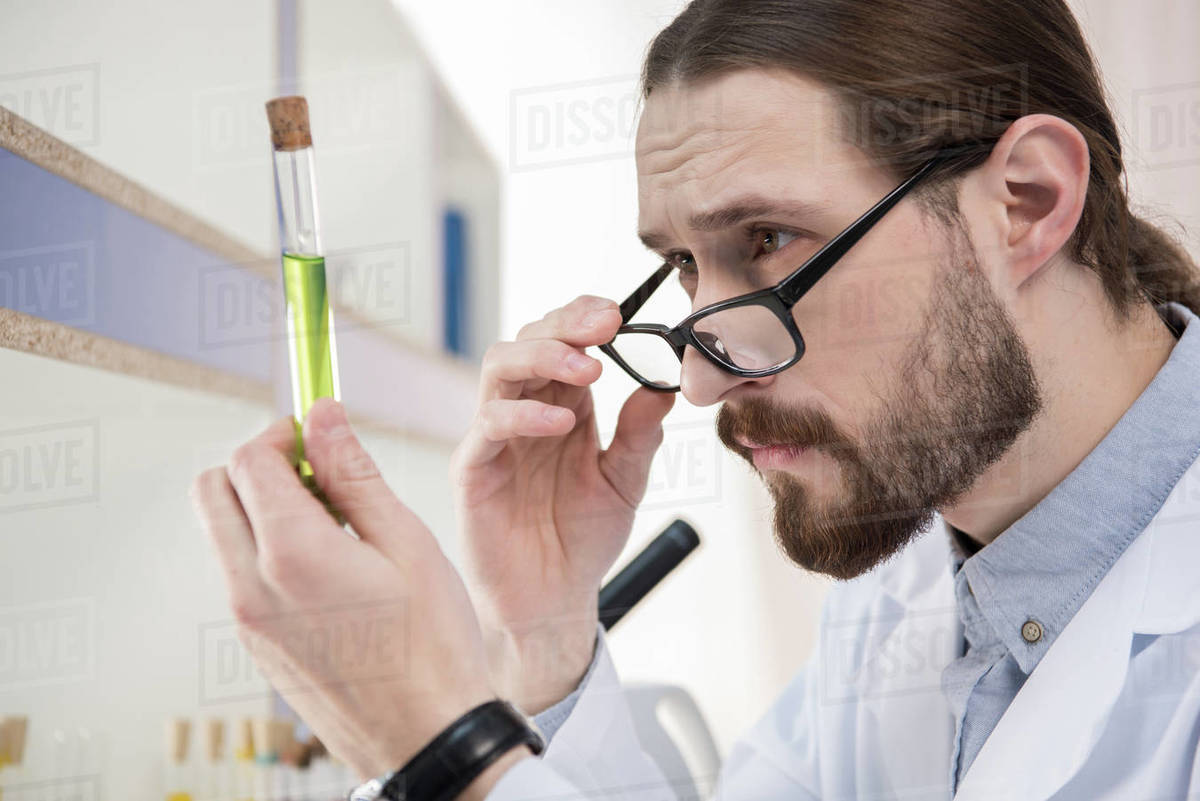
1015,595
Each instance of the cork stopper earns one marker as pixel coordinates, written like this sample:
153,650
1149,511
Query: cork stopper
304,755
265,740
313,749
179,733
286,744
288,117
5,748
15,728
215,739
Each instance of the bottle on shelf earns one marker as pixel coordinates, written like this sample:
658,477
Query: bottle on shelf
13,731
216,784
265,758
287,785
178,778
243,788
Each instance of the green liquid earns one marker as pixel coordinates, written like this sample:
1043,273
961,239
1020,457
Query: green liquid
310,343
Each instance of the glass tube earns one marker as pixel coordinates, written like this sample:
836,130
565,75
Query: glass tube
312,353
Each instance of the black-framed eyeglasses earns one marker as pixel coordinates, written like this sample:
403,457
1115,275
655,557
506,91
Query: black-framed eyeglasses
751,335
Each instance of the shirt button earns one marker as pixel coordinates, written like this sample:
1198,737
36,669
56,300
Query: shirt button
1031,631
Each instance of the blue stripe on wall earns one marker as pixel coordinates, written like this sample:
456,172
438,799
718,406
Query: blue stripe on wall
70,256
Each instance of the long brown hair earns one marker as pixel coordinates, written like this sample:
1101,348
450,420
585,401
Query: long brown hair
914,77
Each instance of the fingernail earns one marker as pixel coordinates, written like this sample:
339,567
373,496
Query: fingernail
577,361
553,414
330,422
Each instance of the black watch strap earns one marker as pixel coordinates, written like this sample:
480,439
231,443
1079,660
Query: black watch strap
464,749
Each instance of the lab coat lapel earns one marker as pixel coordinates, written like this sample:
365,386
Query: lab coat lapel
910,712
1049,729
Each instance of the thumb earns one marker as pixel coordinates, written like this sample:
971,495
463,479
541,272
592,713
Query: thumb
351,481
626,463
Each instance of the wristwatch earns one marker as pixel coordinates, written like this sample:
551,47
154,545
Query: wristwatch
453,759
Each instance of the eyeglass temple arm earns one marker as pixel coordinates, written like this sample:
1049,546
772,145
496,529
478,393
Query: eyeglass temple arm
638,298
807,274
792,286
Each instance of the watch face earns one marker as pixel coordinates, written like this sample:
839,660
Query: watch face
368,791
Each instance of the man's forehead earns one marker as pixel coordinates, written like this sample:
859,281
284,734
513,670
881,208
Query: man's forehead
731,107
747,139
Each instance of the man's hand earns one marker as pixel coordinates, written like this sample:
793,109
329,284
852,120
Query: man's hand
543,510
373,641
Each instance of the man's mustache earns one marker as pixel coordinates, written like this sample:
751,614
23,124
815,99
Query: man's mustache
757,421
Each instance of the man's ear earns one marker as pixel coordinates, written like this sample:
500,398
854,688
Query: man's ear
1034,185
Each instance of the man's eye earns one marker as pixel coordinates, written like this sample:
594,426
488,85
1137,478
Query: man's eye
773,240
685,263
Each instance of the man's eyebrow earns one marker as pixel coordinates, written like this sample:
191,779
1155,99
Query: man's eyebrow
738,211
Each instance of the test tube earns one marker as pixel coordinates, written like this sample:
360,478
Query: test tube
312,353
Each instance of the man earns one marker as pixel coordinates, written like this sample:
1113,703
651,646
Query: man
1000,464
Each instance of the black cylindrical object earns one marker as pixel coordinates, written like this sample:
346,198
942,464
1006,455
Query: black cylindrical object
648,568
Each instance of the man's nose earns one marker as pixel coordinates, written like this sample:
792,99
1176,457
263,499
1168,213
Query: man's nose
702,383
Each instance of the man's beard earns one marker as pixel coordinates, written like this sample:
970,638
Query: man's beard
964,392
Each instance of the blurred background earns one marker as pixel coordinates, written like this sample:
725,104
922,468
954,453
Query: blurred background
475,171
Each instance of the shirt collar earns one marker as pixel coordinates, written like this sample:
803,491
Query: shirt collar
1046,564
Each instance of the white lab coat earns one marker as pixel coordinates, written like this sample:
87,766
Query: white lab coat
1112,711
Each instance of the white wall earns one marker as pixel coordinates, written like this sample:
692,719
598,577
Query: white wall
1152,73
107,585
164,81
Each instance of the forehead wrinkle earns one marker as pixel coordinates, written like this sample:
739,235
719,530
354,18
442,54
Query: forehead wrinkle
700,158
690,166
663,154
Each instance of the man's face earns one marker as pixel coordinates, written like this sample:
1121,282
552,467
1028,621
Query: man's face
913,380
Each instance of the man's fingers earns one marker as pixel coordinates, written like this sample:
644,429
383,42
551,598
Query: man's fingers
351,481
509,365
587,320
217,506
289,523
279,436
501,420
626,462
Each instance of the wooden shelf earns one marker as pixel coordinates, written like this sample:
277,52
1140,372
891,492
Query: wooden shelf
149,267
